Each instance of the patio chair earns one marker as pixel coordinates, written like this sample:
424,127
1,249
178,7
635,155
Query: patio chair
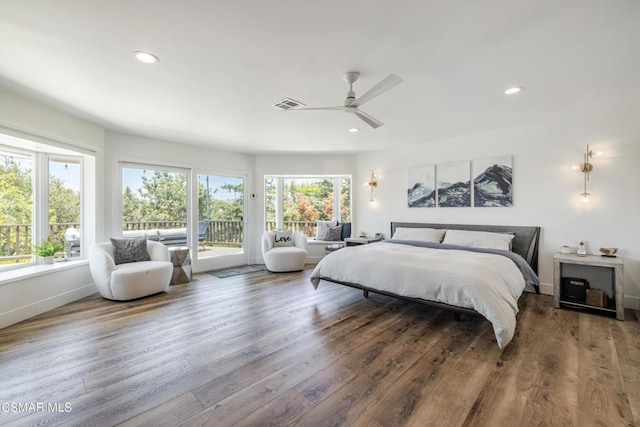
203,226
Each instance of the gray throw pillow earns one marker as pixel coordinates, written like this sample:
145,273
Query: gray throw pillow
321,227
332,234
130,250
282,238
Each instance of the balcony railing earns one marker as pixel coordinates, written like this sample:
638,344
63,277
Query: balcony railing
16,244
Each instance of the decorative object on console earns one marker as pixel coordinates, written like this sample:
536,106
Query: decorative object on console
373,183
582,250
597,298
609,252
565,249
574,289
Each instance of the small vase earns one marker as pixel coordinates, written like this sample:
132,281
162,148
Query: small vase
46,260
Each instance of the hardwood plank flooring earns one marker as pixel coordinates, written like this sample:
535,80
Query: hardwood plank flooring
267,349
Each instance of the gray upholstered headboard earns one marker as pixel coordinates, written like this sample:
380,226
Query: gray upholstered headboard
525,243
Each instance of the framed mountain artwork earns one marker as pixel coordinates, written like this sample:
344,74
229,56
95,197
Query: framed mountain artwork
493,182
422,187
453,184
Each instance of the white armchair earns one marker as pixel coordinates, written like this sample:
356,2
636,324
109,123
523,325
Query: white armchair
284,258
131,280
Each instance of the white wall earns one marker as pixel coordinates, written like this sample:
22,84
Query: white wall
298,165
37,293
545,188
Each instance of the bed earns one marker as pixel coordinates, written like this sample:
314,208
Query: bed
466,280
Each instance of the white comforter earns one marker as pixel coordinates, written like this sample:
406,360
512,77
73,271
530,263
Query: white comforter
488,283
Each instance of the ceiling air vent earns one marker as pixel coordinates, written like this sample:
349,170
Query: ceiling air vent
287,104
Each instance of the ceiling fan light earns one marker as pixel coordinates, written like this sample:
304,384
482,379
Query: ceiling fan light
146,57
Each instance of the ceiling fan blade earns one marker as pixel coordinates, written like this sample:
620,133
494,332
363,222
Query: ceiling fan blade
317,108
384,85
367,118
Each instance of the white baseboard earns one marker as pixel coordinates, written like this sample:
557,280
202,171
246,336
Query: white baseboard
632,302
25,312
546,288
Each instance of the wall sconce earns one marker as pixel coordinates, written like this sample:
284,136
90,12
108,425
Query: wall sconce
586,167
373,183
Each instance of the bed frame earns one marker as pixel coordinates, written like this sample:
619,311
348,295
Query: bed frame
525,243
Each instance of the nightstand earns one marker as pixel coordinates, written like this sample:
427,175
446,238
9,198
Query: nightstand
593,272
355,241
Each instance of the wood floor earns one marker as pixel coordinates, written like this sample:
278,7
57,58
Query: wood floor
268,349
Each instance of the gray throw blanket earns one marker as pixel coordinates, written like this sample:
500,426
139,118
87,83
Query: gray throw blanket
531,278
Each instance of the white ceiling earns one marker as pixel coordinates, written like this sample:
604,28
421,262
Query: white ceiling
224,62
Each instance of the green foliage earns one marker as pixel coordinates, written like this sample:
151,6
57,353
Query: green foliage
307,200
64,203
162,197
47,248
16,194
16,205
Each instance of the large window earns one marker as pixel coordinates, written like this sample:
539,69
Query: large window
39,200
298,202
154,203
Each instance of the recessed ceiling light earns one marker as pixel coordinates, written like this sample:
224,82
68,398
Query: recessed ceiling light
146,57
513,90
354,130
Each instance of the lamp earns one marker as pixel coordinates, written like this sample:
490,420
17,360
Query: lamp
373,182
585,167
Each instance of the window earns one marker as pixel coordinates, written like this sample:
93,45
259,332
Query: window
39,199
64,202
298,202
154,203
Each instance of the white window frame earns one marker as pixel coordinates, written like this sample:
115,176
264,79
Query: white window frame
279,203
40,190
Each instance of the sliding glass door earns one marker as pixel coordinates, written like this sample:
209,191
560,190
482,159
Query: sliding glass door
221,221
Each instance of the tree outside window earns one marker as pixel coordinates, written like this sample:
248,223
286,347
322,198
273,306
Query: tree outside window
305,200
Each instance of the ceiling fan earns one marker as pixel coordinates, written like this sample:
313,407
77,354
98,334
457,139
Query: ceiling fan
351,104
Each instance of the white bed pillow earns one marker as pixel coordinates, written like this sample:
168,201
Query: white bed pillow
423,234
479,239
